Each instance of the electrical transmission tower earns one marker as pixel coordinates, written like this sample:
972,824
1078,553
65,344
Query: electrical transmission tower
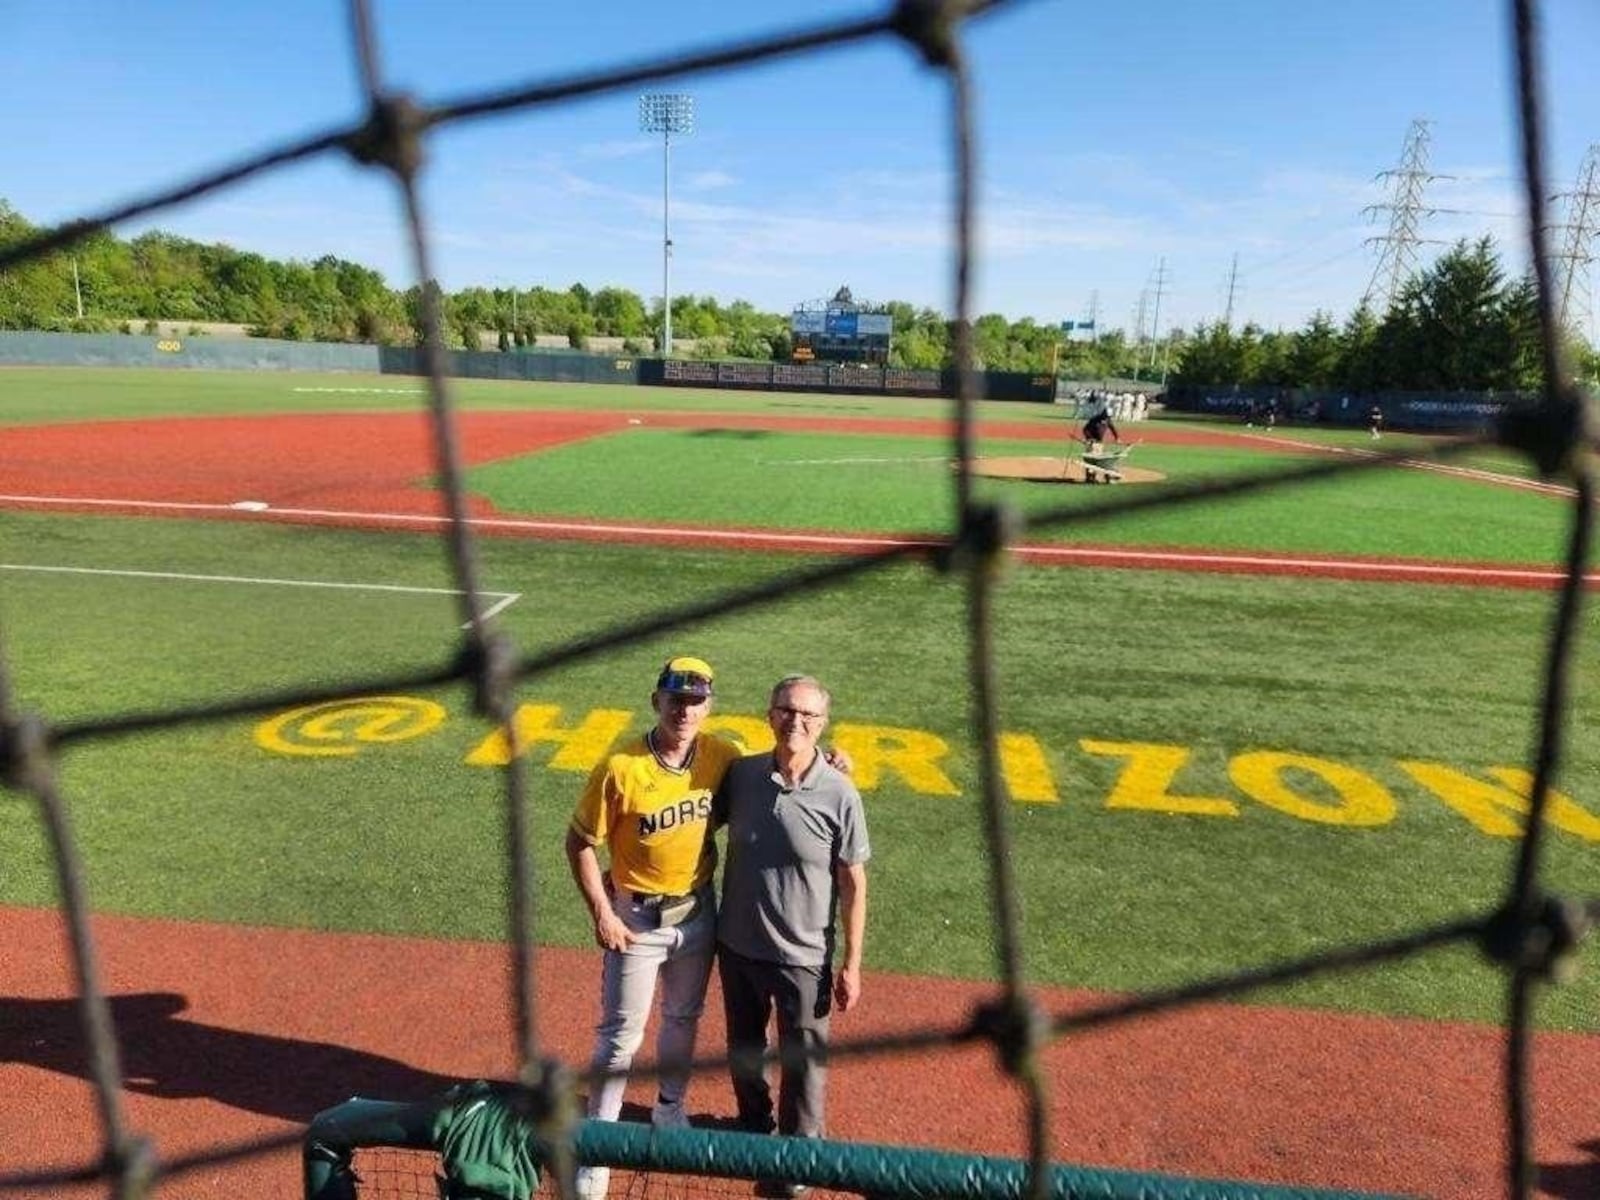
1581,227
1398,258
1233,284
1138,321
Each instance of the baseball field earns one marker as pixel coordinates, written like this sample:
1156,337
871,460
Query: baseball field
1233,733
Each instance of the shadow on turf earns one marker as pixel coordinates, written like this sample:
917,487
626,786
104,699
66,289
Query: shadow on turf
1573,1181
166,1056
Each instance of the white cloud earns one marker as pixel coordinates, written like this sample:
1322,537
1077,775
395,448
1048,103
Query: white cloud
618,148
705,181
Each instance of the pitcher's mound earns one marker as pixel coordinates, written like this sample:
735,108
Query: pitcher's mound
1052,470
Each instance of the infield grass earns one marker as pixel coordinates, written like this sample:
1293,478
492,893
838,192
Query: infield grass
873,483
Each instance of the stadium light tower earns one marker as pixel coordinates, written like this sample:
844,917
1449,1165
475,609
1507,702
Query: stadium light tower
666,113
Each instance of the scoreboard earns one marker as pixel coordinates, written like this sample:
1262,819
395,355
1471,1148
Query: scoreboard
839,330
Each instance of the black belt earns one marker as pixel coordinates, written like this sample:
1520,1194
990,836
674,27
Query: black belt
670,910
655,898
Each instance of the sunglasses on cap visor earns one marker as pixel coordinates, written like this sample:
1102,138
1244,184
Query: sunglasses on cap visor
684,683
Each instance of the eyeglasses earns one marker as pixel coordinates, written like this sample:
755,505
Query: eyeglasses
799,714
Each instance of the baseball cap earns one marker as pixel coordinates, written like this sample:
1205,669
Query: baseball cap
686,677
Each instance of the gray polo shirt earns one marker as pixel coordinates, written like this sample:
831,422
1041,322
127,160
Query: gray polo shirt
779,894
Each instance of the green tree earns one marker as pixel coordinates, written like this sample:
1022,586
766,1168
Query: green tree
1460,325
1214,355
619,313
416,312
1359,368
1314,355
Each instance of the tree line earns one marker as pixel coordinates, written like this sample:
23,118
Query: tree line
1462,324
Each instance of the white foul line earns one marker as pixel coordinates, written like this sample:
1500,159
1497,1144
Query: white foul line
841,543
503,600
1421,464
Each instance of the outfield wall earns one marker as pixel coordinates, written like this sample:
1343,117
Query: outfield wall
258,354
1436,412
199,353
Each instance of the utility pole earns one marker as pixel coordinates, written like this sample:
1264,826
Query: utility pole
1577,252
1398,258
77,288
1155,320
1138,328
1233,283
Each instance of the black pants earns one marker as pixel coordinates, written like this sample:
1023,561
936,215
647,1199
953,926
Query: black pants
801,997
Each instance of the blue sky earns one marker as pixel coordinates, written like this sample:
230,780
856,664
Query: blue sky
1112,136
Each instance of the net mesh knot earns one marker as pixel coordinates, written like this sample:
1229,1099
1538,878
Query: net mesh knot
930,26
1015,1027
986,530
1549,432
24,750
132,1164
491,665
392,136
1544,945
546,1095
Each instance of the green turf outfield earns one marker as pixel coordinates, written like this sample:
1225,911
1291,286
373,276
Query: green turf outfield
405,836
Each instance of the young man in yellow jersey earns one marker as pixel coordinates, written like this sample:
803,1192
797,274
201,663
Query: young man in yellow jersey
654,912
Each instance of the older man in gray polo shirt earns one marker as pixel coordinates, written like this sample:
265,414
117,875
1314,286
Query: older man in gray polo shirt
797,854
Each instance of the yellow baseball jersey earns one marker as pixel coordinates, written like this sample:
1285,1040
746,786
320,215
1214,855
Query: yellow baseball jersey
655,819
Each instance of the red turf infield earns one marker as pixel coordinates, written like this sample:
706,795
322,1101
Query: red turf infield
365,470
230,1033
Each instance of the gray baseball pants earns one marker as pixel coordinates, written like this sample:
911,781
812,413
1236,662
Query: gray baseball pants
680,955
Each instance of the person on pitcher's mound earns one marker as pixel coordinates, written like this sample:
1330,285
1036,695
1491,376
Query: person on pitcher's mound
1096,428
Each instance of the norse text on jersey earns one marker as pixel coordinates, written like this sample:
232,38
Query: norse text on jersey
691,810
